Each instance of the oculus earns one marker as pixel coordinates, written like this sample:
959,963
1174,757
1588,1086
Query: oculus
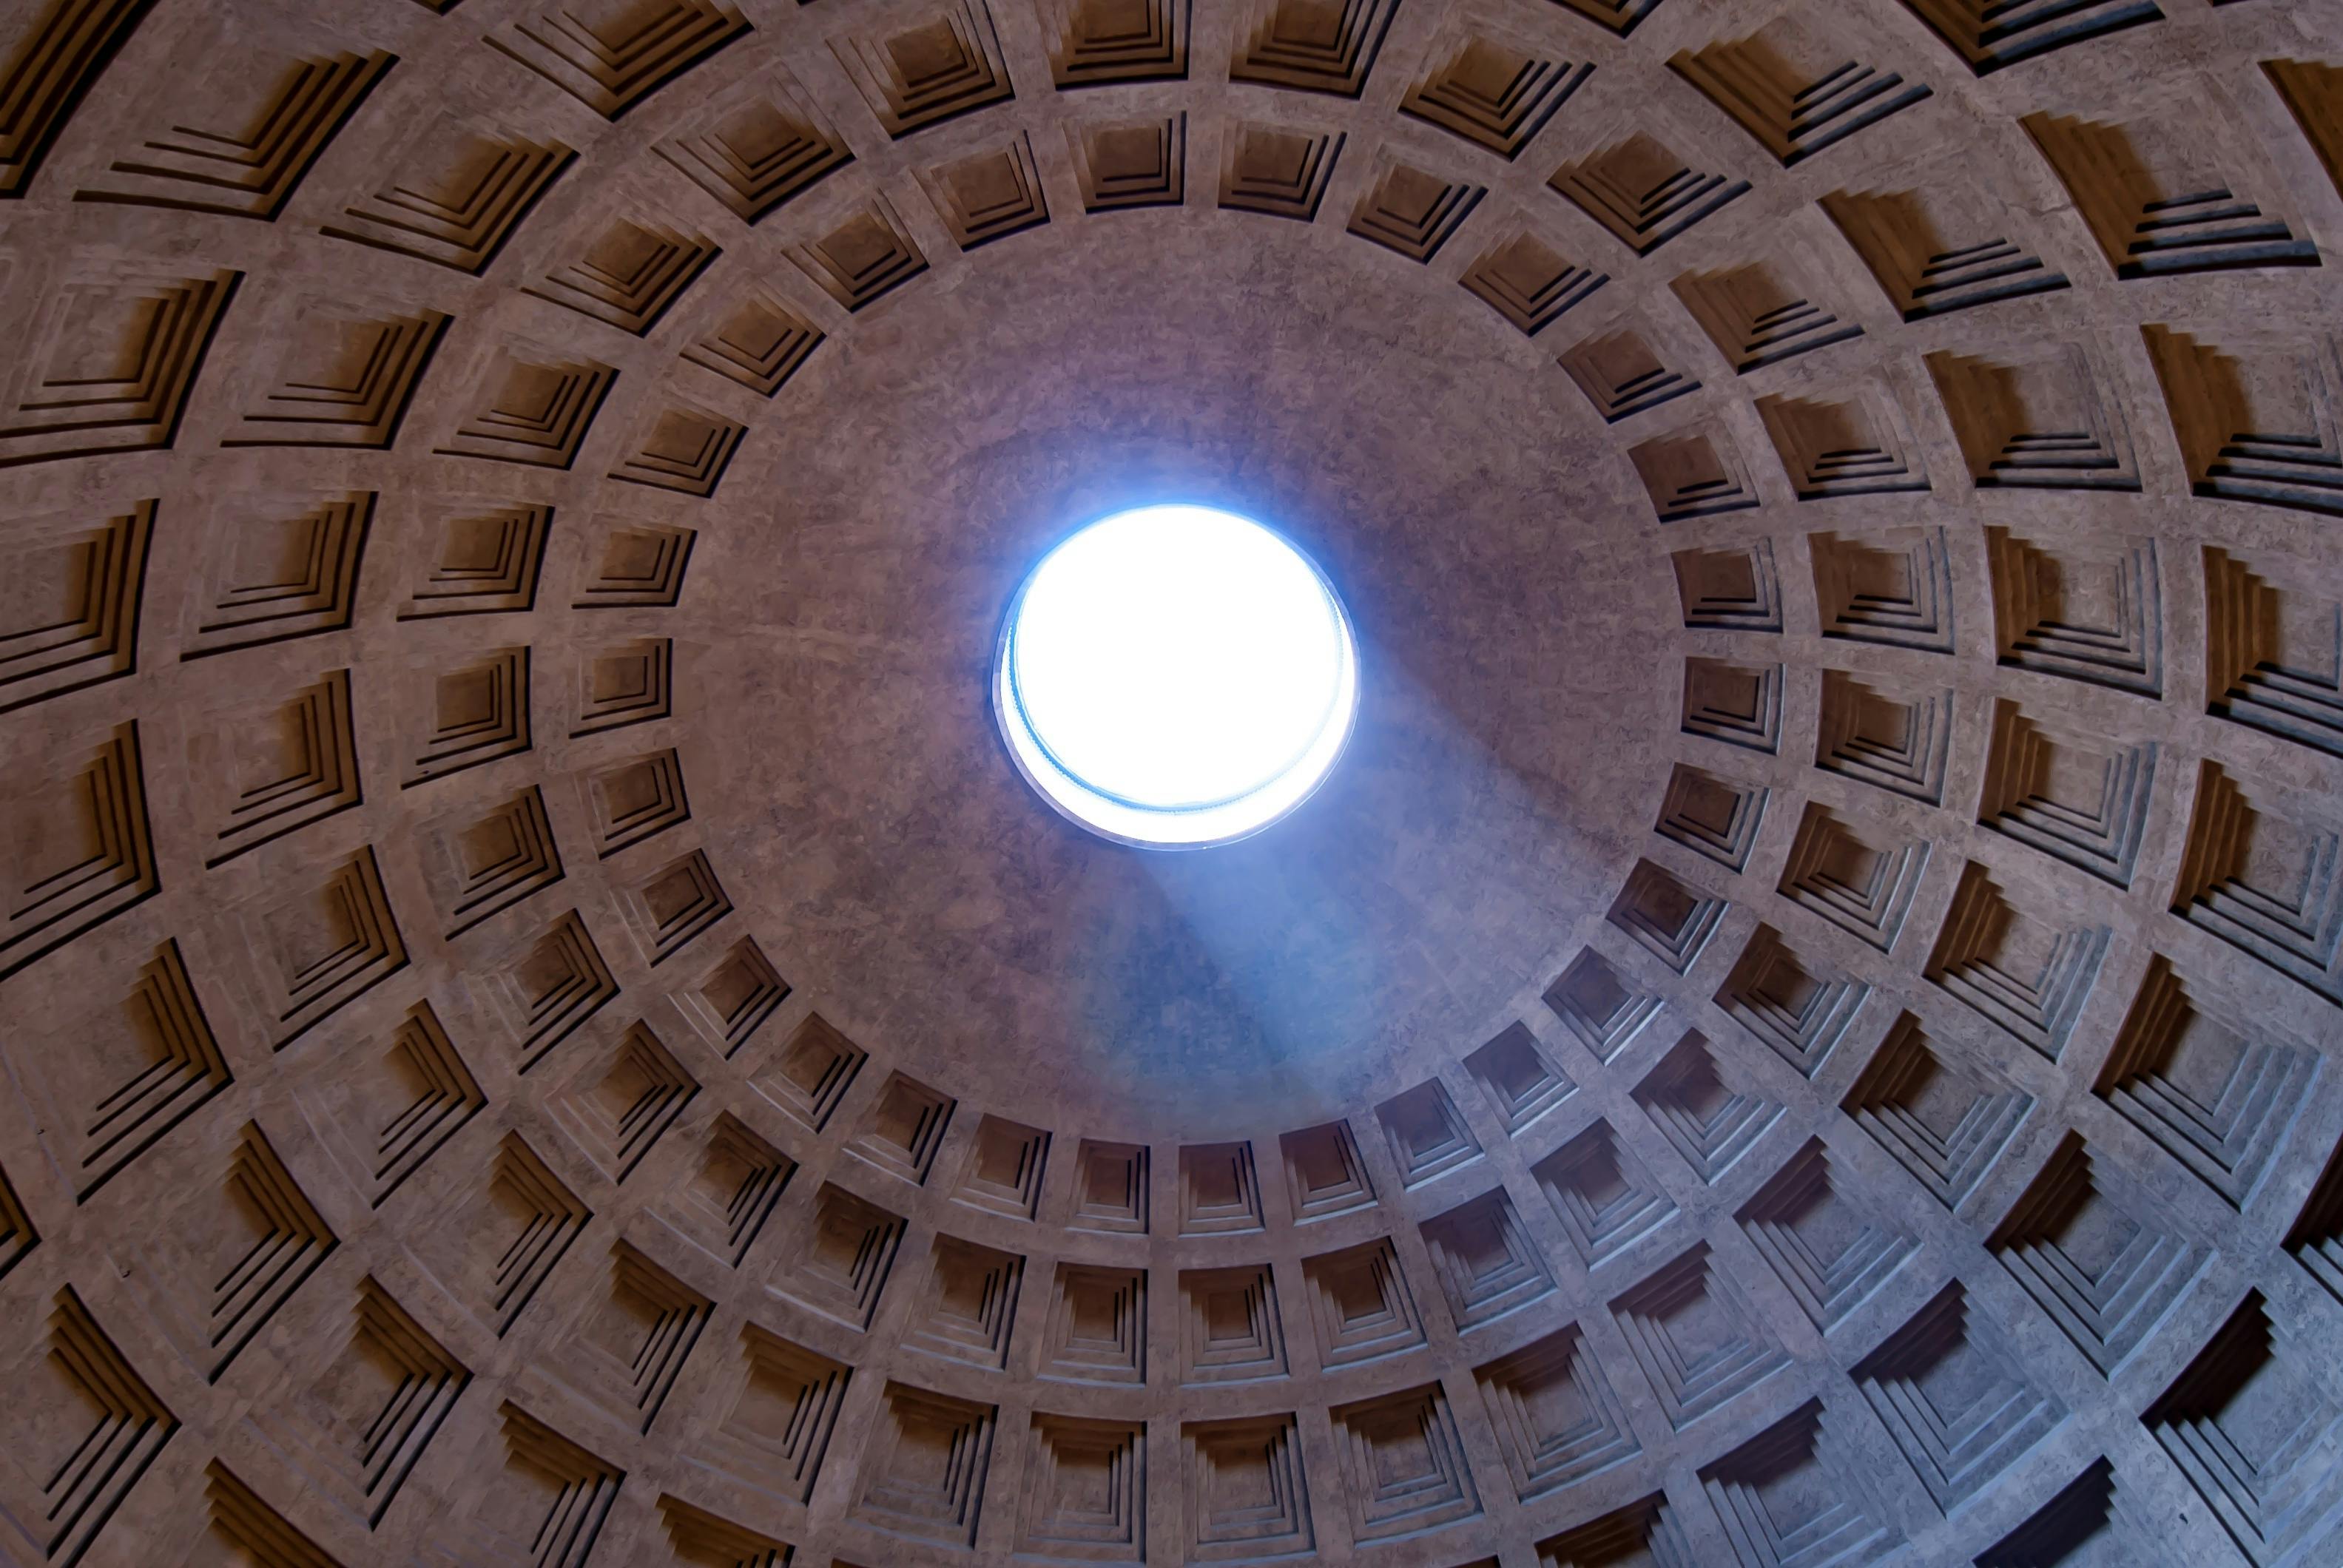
1176,677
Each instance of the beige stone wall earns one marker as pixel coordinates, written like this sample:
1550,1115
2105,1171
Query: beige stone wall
541,1026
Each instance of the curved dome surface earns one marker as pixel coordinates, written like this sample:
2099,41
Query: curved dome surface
543,1025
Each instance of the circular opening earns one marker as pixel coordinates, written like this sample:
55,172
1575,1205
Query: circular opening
1176,675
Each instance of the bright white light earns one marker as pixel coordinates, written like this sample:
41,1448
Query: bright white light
1176,675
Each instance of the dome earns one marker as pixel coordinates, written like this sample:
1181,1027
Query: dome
544,1023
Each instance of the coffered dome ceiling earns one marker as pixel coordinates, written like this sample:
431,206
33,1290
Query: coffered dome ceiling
542,1026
